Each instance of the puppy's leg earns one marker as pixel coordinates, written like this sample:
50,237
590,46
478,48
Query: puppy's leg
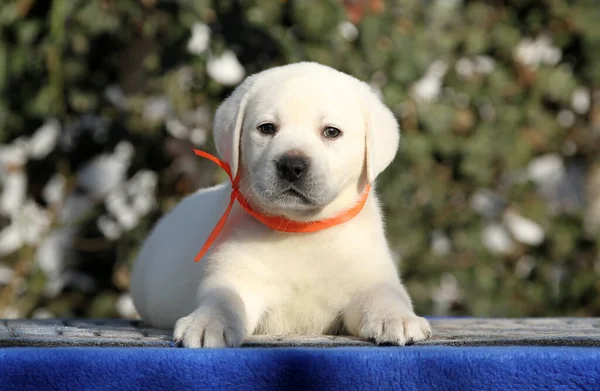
384,314
221,320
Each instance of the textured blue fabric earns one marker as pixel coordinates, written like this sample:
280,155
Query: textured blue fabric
384,368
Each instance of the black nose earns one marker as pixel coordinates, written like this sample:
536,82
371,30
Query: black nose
292,167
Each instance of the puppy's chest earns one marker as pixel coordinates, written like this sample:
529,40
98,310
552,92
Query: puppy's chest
307,283
302,307
310,301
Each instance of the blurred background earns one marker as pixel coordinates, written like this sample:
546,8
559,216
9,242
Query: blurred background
493,202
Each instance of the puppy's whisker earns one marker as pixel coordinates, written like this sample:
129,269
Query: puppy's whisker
245,179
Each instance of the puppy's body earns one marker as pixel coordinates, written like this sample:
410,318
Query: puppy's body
257,280
299,283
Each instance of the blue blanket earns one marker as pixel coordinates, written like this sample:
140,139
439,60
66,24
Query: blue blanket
383,368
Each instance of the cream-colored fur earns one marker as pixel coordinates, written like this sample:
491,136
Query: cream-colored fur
256,280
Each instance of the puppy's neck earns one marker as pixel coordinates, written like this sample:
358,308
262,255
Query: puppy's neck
347,199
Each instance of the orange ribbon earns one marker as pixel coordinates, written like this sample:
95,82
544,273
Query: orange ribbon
274,222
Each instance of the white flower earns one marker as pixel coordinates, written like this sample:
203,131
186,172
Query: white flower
27,226
51,256
524,266
580,100
198,136
566,118
200,39
141,189
176,128
546,170
57,248
157,109
226,69
536,52
54,285
115,95
484,64
128,203
201,115
429,86
54,189
13,180
14,192
524,230
496,238
101,175
125,307
10,240
440,243
190,125
117,205
44,139
143,181
14,154
426,89
124,151
144,203
464,67
486,203
446,293
348,31
109,228
86,124
106,171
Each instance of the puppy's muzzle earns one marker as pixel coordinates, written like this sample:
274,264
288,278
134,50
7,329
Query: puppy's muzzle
292,166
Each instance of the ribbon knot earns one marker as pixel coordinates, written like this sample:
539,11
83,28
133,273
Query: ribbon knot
274,222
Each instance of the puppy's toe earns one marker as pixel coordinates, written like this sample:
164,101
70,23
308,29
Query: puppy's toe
396,329
181,327
189,331
218,335
199,330
416,328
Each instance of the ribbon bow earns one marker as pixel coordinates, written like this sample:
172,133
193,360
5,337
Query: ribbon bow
274,222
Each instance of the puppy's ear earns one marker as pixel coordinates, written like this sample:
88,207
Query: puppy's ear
227,124
382,134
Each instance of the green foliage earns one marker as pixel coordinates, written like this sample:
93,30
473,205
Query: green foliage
477,107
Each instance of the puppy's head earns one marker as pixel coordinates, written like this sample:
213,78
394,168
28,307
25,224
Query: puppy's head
305,138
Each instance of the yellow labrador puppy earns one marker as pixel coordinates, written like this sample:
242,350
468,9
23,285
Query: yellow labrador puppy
307,141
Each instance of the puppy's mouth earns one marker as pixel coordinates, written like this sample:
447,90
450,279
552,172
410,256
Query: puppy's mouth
285,198
293,194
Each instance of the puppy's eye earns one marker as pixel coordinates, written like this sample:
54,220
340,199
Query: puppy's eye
331,132
268,129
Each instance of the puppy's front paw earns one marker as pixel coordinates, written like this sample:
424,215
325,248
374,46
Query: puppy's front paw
208,328
395,329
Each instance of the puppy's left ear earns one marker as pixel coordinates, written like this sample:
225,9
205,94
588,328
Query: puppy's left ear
382,134
228,121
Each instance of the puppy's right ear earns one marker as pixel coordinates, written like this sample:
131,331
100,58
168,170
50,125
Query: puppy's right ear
227,124
382,134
